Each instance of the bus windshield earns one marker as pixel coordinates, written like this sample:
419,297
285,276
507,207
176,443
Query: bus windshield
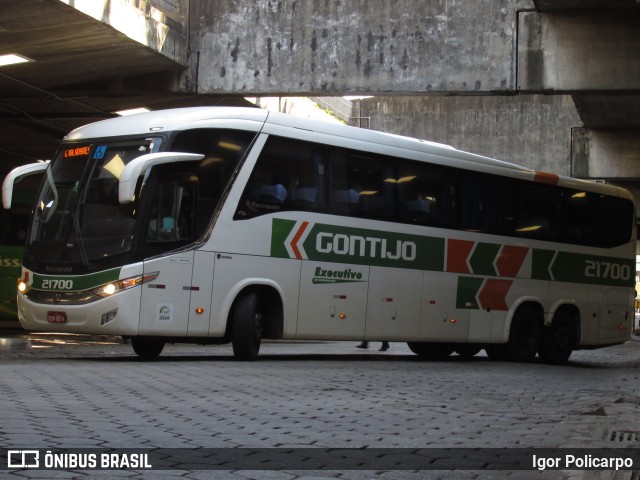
78,216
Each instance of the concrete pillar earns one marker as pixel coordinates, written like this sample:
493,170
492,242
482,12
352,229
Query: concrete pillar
602,154
579,50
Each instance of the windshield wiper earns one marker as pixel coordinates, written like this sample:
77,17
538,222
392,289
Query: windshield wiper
83,252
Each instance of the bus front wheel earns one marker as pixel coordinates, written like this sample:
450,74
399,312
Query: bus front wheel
147,348
246,327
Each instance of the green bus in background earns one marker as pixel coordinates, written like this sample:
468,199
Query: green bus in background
13,230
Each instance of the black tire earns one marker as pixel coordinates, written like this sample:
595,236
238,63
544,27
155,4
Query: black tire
467,350
246,328
558,340
147,348
524,336
431,350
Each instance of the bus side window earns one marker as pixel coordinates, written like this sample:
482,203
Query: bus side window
289,175
357,184
172,211
597,220
577,220
222,149
536,211
424,194
486,203
612,221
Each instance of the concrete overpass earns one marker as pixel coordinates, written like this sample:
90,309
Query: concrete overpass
551,84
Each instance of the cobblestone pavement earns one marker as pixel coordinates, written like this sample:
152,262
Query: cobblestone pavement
79,392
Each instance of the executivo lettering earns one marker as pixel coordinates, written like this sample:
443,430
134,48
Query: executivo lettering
322,275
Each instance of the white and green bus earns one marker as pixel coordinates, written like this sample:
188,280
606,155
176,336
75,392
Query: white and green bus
14,221
216,225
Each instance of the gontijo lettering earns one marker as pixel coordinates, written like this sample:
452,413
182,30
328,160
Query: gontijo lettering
342,244
306,240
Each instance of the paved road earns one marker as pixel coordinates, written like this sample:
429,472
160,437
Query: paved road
78,392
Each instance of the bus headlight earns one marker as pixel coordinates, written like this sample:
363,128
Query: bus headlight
23,287
109,289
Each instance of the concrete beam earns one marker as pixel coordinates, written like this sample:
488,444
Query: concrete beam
579,51
360,46
583,4
160,25
609,111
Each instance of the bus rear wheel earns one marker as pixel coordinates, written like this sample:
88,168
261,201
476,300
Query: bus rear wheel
431,350
147,348
524,336
558,341
246,327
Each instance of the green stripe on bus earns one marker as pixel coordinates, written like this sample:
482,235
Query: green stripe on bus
541,263
74,283
467,291
279,233
338,244
594,270
482,259
331,243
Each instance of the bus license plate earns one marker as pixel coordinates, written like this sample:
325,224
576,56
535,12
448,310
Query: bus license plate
57,317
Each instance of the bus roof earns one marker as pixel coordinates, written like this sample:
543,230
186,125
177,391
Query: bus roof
198,117
164,121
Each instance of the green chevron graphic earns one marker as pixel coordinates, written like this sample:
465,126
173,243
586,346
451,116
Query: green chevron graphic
482,259
337,244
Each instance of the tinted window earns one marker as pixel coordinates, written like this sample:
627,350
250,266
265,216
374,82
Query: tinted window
295,175
360,184
592,219
536,211
222,150
425,194
289,175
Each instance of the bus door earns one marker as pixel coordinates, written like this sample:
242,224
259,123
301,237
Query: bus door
333,300
165,303
393,305
164,308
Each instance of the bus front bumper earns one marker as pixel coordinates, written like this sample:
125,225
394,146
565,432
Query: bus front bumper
115,315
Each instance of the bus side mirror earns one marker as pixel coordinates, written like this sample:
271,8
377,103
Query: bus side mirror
139,165
16,175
